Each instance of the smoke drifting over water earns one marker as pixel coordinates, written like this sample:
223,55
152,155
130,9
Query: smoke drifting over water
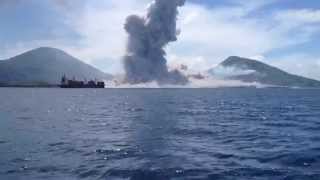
145,59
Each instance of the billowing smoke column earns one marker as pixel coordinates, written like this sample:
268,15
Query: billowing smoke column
145,59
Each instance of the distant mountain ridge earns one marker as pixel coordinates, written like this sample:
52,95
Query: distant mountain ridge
45,65
248,70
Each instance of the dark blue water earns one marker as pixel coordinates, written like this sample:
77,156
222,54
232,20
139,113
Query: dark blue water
160,134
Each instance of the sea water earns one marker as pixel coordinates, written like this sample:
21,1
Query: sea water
160,134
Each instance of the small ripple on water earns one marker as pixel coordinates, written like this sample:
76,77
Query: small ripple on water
57,144
200,132
156,174
42,169
25,118
118,153
88,173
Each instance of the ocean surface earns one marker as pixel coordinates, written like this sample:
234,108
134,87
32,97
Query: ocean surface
160,134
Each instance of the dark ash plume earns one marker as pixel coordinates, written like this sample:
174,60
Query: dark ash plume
145,59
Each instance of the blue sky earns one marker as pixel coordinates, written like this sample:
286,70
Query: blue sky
284,33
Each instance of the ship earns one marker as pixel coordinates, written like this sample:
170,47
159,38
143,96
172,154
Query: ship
67,83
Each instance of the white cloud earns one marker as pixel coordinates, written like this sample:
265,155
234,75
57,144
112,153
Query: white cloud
99,25
299,63
259,57
101,28
215,34
299,16
218,33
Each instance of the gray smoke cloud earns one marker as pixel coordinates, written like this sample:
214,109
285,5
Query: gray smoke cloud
148,36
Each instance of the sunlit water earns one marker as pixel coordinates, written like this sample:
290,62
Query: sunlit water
155,134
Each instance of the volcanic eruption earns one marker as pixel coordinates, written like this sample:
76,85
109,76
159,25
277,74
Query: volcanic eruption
145,59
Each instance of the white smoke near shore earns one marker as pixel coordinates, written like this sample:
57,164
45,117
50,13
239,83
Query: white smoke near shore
216,78
232,71
213,82
207,82
148,36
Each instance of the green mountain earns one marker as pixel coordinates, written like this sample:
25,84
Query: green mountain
45,66
248,70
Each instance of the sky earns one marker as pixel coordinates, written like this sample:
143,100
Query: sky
283,33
